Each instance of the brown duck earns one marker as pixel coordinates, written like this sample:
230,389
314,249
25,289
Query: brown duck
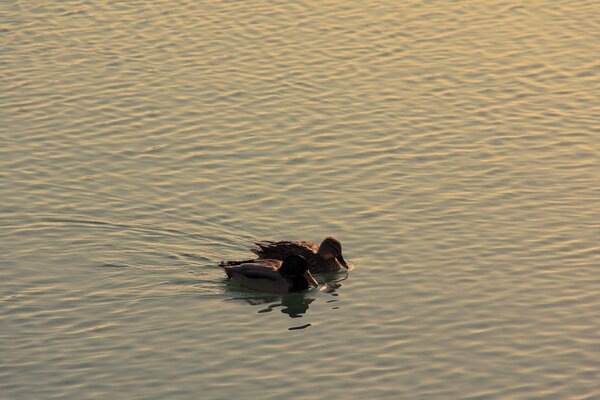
326,257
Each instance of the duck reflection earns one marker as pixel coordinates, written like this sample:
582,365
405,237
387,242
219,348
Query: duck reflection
295,305
333,282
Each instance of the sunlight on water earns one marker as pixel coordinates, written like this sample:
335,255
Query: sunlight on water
452,147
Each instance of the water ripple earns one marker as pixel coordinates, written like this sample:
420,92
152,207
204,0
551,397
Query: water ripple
451,147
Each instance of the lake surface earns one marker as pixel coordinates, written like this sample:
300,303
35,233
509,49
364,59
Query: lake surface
452,147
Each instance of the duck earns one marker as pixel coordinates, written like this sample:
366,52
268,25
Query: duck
273,276
326,257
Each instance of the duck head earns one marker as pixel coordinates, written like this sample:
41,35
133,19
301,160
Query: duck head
295,269
332,248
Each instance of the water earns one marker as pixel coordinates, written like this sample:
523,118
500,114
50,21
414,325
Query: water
453,148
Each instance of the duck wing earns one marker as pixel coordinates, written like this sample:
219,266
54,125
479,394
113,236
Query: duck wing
266,267
280,250
261,276
275,264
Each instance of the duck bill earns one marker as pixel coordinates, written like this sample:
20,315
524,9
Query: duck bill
310,278
342,261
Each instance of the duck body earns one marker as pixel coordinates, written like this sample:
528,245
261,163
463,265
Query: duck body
273,276
326,257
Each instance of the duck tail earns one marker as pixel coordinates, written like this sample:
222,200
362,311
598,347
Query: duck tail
232,263
263,248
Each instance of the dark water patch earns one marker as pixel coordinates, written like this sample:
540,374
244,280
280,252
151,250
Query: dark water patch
295,328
